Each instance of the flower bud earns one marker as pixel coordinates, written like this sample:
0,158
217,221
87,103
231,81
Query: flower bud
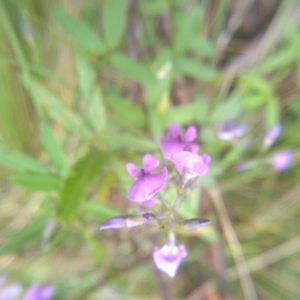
194,224
122,221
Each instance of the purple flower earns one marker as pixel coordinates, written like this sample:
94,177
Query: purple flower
168,258
38,292
173,142
146,185
271,135
9,292
191,164
281,160
229,131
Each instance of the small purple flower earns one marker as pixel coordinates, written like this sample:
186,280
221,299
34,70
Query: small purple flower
38,292
173,142
146,185
271,135
11,291
229,130
281,160
168,258
191,164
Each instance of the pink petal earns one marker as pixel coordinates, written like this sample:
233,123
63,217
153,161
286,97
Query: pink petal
191,163
149,203
132,170
146,187
150,163
174,131
169,147
190,134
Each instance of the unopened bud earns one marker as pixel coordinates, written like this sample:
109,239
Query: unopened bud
194,224
122,221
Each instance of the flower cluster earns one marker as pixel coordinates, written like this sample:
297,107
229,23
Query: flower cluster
181,151
280,160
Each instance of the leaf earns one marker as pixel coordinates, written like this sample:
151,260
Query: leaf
38,182
55,106
227,110
272,112
96,111
122,107
125,141
186,114
84,171
99,211
114,17
25,236
20,162
132,69
195,69
80,32
53,148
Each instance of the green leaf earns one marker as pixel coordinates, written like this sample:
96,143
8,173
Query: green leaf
272,112
227,110
53,148
189,113
99,211
114,17
96,111
187,29
20,162
125,141
132,69
195,69
25,236
80,31
84,171
122,107
55,106
38,182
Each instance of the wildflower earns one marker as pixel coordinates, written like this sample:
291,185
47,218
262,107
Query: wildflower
194,224
229,130
190,164
271,135
281,160
38,292
168,258
174,143
146,185
9,292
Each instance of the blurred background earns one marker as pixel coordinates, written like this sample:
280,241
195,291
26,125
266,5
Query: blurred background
87,86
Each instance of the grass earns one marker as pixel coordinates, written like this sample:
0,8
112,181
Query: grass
88,86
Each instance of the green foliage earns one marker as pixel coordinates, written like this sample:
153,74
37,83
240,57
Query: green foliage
88,86
114,21
82,34
81,175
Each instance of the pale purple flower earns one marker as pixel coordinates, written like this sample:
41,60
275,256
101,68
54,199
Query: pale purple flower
146,185
191,164
229,130
271,135
38,292
173,141
10,292
168,258
281,160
